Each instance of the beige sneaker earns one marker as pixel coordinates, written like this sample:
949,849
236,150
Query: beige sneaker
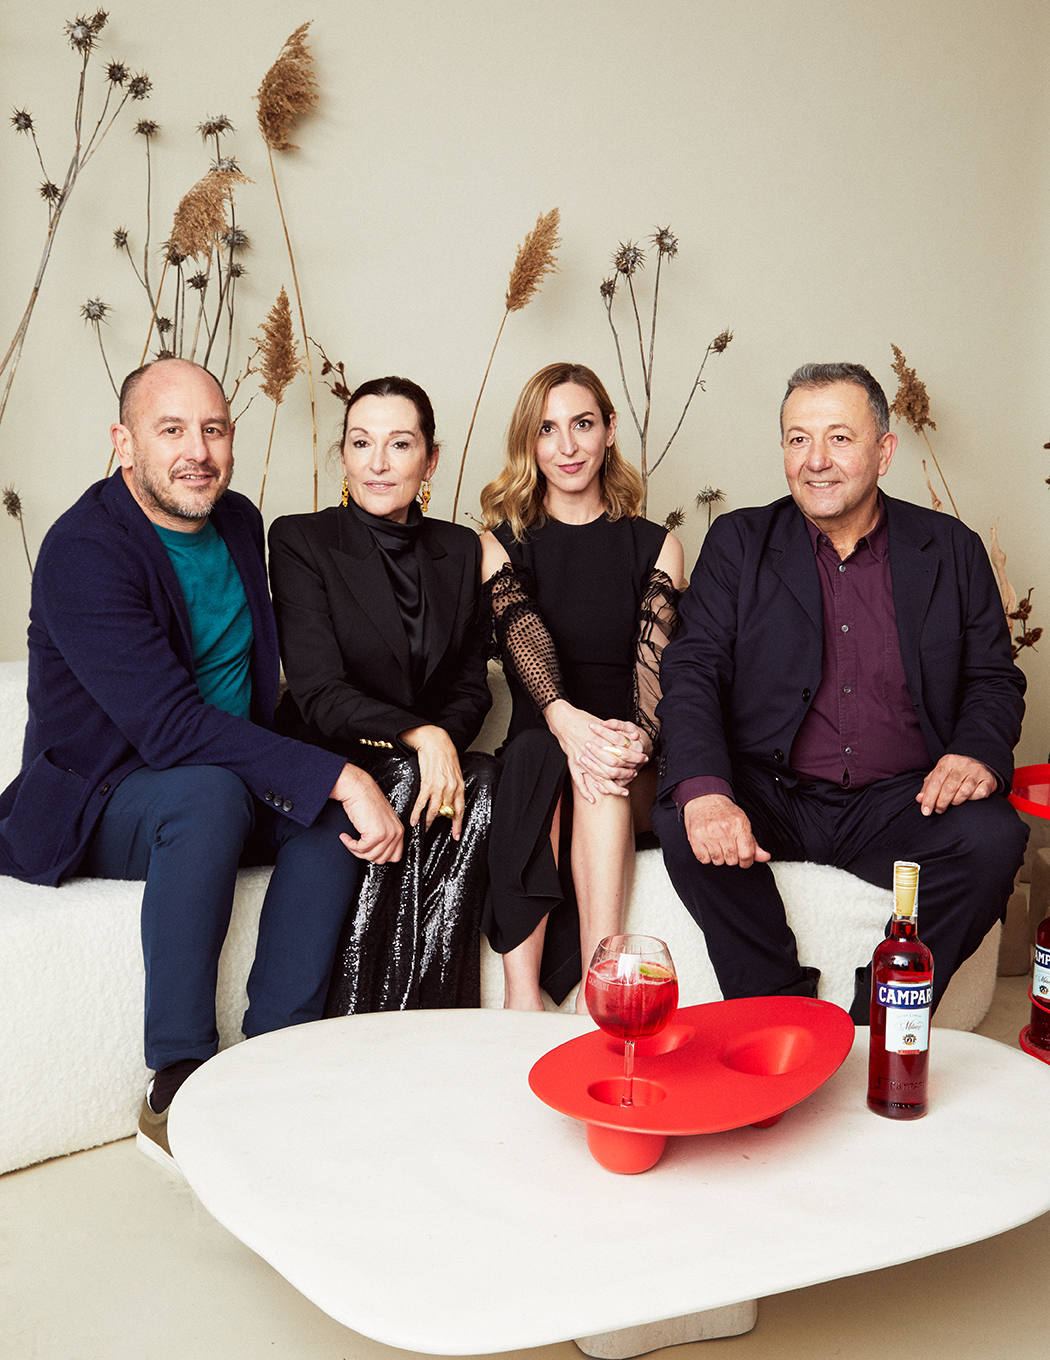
152,1136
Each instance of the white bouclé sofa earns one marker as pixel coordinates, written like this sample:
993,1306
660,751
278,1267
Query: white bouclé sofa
71,977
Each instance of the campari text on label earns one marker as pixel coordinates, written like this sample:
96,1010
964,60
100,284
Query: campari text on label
905,996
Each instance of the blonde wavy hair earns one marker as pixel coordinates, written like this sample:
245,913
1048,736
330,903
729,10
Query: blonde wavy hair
516,495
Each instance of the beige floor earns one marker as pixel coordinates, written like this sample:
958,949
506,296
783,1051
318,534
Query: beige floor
103,1256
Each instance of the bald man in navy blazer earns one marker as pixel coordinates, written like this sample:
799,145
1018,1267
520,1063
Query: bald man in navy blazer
149,751
841,690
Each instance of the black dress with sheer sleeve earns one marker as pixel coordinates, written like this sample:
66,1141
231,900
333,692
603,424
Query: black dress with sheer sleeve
580,613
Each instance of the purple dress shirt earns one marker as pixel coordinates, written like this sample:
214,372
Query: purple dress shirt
861,725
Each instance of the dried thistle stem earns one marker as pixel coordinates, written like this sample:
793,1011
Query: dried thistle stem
623,374
102,351
652,332
638,328
25,545
145,347
135,269
697,386
145,248
13,505
201,314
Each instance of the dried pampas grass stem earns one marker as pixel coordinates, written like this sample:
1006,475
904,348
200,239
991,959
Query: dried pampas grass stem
288,91
534,261
280,364
935,501
280,361
200,219
912,405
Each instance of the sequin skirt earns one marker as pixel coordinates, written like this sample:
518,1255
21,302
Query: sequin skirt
411,941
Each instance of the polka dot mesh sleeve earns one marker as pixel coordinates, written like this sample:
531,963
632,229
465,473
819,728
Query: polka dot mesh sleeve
524,642
657,623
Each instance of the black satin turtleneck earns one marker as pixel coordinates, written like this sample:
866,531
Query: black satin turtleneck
399,547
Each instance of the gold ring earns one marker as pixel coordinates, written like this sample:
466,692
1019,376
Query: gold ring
446,810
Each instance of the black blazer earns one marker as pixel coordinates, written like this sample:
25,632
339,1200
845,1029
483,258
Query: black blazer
344,647
743,668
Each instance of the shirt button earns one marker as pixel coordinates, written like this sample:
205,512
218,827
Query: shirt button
848,750
845,627
842,566
847,689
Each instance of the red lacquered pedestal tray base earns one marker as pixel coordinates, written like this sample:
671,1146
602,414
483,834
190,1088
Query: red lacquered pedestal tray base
1030,793
715,1067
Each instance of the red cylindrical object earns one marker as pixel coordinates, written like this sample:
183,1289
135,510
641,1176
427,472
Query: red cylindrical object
901,999
1039,1027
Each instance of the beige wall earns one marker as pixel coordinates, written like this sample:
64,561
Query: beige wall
840,175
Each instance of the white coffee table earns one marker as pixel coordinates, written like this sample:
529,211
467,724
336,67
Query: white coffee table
398,1171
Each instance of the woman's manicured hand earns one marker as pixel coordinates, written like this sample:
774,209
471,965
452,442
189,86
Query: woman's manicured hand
574,729
440,776
616,750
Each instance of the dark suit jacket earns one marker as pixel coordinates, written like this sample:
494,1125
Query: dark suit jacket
112,689
746,662
343,644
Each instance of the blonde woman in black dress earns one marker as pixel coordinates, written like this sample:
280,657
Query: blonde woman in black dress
583,594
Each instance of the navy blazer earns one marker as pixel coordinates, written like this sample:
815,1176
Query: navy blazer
112,688
345,649
747,660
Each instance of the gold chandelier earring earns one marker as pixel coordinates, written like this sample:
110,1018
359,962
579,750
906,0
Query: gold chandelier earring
424,495
346,493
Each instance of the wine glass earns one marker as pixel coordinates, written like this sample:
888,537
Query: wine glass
631,992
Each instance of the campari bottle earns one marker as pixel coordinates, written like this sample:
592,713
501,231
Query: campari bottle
901,995
1039,1027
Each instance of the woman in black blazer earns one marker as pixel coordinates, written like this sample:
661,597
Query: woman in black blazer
384,653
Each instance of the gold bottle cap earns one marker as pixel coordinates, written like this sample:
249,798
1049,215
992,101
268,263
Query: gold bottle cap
905,887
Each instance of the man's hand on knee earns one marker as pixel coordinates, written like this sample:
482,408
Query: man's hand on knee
719,832
955,779
379,830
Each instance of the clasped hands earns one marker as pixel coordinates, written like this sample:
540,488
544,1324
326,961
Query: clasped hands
603,756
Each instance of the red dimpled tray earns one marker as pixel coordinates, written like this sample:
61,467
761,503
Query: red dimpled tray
1031,790
714,1067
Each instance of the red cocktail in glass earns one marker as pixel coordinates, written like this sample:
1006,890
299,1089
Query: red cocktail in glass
631,992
